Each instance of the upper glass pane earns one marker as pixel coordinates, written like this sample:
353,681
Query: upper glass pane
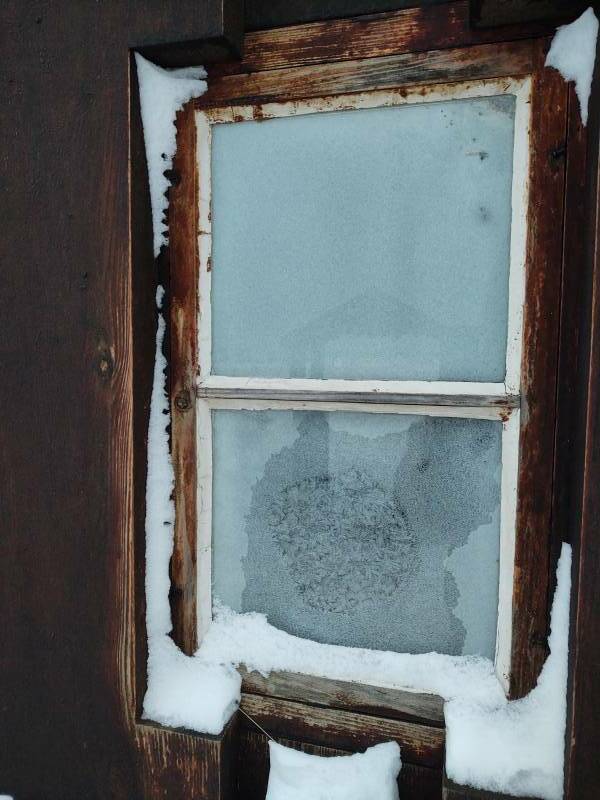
368,530
364,244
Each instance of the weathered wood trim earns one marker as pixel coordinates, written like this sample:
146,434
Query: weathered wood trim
410,30
183,307
509,59
538,377
426,709
420,744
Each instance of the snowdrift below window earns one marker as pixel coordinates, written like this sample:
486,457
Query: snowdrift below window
363,776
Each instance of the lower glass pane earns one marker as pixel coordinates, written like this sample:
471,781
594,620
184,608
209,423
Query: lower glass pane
363,529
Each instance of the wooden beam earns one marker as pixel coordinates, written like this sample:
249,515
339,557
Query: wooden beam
582,776
183,314
420,744
425,709
410,30
507,59
215,32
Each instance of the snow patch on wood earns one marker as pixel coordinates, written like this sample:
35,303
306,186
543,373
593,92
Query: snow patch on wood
573,54
162,94
517,748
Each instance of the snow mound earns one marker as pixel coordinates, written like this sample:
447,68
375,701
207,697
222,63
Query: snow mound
518,748
363,776
183,692
573,53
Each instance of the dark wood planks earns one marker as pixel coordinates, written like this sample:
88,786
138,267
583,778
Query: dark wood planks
573,294
533,565
492,13
348,730
72,307
582,764
180,765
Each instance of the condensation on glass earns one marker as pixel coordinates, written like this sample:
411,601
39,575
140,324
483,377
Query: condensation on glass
364,244
370,530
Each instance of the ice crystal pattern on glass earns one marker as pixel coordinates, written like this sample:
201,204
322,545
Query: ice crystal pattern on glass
364,538
360,529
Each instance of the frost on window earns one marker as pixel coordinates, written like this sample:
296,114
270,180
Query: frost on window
364,244
369,530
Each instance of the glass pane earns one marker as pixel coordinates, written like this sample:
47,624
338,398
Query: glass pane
365,244
370,530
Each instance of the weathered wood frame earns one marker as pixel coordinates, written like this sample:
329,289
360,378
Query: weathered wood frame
417,72
432,398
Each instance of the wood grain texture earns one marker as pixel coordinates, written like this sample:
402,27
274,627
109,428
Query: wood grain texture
407,69
70,306
421,744
414,782
533,566
180,765
183,309
427,709
369,36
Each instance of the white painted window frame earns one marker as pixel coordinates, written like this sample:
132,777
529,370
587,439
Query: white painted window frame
472,400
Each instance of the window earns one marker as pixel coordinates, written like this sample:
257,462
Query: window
378,289
361,263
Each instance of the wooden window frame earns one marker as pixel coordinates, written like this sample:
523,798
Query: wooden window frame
294,64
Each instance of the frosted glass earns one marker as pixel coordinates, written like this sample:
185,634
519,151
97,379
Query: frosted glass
370,243
370,530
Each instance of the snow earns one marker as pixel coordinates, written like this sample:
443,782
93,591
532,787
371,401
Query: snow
518,747
160,510
162,93
363,776
182,691
249,639
573,53
185,692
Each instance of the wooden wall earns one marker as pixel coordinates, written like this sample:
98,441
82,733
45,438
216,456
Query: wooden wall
71,311
67,370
